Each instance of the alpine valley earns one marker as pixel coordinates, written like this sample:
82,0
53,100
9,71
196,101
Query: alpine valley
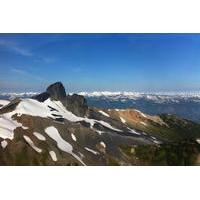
55,128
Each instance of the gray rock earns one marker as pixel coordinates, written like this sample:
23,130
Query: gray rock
42,97
56,91
77,104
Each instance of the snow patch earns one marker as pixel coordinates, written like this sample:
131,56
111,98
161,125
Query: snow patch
4,102
156,142
32,107
71,117
99,132
73,137
104,113
7,126
153,138
109,126
30,142
4,143
39,136
53,155
92,151
122,120
103,144
133,131
141,113
63,145
53,133
82,156
143,123
25,128
61,110
198,140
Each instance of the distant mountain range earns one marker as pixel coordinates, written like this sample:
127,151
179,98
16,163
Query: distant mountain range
186,105
55,128
183,104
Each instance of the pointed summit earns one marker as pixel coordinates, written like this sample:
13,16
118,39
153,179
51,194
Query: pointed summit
77,104
56,91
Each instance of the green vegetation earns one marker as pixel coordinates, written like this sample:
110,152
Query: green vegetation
174,154
175,129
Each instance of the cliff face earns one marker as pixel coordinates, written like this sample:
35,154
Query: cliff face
74,103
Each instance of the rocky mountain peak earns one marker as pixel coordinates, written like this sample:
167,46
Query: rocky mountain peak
77,104
56,91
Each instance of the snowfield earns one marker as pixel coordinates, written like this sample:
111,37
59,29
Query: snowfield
4,102
41,109
7,126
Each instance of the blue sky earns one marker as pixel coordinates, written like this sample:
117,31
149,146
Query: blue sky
98,62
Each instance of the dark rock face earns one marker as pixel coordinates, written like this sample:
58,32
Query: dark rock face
76,104
56,91
11,106
42,97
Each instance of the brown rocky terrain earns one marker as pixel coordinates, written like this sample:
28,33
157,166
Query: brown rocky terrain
54,128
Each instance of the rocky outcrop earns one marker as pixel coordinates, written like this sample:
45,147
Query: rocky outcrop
77,104
41,97
10,107
56,91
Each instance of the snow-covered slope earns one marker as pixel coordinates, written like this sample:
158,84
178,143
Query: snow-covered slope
4,102
15,119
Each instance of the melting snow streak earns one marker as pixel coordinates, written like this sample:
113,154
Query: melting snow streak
30,142
53,133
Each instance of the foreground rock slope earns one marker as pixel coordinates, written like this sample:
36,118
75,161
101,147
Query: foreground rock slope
54,128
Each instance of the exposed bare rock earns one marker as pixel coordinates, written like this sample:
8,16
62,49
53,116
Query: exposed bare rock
10,107
56,91
42,97
76,104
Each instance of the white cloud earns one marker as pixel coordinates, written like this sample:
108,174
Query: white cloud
22,51
45,59
26,74
13,46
